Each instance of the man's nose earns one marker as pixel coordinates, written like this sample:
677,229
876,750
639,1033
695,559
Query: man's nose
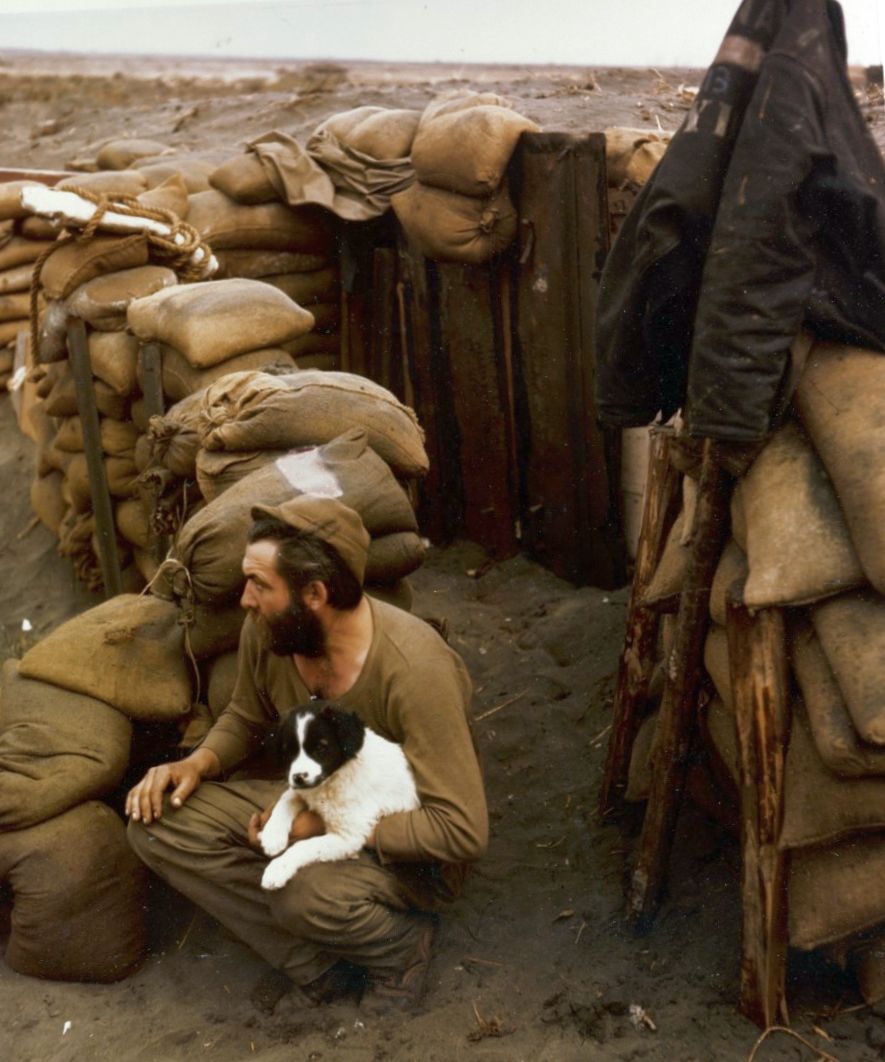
247,600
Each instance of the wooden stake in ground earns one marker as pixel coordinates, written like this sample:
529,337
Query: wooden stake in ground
759,676
638,656
676,720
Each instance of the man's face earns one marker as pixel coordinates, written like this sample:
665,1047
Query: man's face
285,622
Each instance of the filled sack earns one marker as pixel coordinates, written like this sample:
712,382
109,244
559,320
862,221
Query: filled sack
102,302
224,223
181,379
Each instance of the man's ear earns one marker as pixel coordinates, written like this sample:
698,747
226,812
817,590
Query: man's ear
315,594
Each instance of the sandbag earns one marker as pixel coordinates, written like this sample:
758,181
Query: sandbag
175,438
666,583
217,470
717,664
57,749
380,132
17,278
317,286
460,100
835,738
181,379
840,398
52,332
224,223
118,182
79,897
731,570
256,411
62,399
124,152
9,330
244,180
15,307
193,171
143,453
456,228
213,630
75,263
212,321
222,679
798,547
313,345
111,404
133,524
128,651
69,436
103,301
394,556
47,501
19,251
208,552
467,151
639,773
851,629
257,264
114,360
11,199
631,155
171,195
38,228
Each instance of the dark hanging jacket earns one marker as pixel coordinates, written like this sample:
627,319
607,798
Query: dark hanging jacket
766,214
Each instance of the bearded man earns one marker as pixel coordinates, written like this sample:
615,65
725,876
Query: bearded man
311,632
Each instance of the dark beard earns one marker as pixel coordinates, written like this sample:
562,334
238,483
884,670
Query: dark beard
295,629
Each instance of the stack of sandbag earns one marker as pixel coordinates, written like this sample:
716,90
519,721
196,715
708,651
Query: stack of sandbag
292,249
71,714
808,535
459,209
631,156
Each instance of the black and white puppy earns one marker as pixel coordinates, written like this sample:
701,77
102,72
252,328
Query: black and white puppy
346,773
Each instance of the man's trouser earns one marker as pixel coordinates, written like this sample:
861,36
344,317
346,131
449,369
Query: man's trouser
354,909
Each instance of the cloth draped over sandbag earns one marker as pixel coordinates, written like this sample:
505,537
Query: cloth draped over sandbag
765,215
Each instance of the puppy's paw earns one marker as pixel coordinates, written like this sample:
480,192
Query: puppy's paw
276,875
273,840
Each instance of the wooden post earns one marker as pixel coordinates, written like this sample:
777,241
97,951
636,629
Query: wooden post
676,720
759,684
440,505
638,656
471,332
570,515
152,389
105,529
385,360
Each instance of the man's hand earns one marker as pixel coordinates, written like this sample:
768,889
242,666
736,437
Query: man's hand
306,824
144,802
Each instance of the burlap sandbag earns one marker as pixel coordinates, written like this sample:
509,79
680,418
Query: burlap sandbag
75,263
172,195
57,749
835,738
212,321
798,547
256,264
17,278
836,891
394,556
128,651
313,345
132,523
222,679
37,228
9,330
379,132
456,228
79,897
717,664
143,453
103,301
114,360
11,198
217,470
460,100
19,251
111,404
631,155
323,362
244,180
851,629
317,286
666,583
224,223
15,307
731,572
175,437
212,629
639,773
124,152
256,411
62,399
181,379
123,182
120,472
47,501
138,411
69,436
820,806
193,171
840,400
467,151
208,551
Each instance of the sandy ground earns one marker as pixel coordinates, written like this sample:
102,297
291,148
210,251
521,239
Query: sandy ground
535,961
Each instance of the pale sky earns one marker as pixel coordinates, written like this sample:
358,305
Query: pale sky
580,32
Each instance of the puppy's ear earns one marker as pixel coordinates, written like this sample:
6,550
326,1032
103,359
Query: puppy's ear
349,730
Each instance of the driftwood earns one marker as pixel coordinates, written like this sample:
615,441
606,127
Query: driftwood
638,656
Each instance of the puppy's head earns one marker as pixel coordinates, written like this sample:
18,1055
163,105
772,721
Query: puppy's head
314,740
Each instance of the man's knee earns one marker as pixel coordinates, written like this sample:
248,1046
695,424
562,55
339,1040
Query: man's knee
314,900
140,840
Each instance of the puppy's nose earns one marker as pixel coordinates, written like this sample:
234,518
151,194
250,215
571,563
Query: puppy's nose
300,778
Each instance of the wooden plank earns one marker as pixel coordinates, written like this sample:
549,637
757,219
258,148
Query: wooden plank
385,364
571,513
440,498
105,529
676,718
469,314
757,654
640,642
152,379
